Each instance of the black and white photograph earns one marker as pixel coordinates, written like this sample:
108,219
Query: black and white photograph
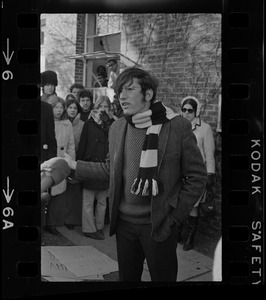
136,111
132,146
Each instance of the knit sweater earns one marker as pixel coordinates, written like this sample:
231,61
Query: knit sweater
133,208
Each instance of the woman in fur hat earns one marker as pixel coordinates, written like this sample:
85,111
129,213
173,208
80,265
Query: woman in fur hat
190,108
48,83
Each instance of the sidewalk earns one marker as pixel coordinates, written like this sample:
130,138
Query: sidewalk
192,265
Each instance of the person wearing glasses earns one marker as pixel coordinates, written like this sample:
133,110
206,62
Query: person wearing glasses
190,108
151,150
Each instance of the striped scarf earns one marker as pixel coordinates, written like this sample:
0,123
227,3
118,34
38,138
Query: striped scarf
146,183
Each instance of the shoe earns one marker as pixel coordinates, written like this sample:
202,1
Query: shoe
51,230
94,235
70,226
101,233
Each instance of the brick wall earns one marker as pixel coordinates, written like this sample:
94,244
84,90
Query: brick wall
184,53
80,47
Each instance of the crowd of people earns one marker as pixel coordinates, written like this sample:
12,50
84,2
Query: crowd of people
134,160
77,125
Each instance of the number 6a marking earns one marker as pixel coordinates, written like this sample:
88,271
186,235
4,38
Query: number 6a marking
6,75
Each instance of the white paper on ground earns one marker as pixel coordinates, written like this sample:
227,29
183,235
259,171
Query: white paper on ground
74,279
51,266
83,260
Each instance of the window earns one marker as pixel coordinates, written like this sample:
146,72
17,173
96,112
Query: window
108,23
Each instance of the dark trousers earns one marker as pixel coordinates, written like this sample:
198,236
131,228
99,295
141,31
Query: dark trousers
134,244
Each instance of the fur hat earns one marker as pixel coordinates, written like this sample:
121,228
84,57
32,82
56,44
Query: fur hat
48,77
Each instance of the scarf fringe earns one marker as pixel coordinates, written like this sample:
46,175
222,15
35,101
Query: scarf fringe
145,187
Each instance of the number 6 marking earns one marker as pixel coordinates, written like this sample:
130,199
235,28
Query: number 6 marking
7,75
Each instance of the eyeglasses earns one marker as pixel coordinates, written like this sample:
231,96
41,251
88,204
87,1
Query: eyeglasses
189,110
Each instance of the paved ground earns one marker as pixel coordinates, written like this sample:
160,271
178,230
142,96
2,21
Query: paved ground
194,265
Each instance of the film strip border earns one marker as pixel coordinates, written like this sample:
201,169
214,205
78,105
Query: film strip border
242,145
20,148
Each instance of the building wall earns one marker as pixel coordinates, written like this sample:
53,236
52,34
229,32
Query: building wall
184,53
80,47
59,40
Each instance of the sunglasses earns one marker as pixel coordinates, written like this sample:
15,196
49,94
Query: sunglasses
189,110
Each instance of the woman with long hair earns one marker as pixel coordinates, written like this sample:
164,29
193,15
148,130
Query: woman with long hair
93,147
56,209
73,191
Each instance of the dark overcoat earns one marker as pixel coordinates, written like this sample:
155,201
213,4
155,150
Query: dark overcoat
93,146
48,140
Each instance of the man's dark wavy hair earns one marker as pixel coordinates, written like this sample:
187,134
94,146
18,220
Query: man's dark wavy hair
77,86
146,80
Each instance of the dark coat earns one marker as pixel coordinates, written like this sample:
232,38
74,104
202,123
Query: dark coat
84,115
93,146
48,140
179,157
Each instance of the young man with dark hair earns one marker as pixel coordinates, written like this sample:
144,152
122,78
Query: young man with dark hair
75,89
85,99
156,175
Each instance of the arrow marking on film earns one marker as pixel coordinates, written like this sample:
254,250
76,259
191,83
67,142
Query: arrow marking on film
7,57
6,193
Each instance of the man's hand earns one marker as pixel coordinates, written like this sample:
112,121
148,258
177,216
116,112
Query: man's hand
71,163
56,169
45,167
